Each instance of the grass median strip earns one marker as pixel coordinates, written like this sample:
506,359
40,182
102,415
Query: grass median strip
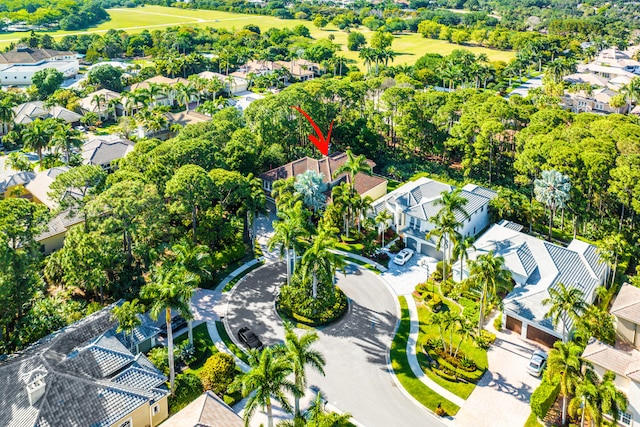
222,331
400,365
236,279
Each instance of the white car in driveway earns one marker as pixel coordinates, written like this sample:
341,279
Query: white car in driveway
403,256
537,363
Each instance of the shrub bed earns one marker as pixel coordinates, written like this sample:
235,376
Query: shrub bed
294,304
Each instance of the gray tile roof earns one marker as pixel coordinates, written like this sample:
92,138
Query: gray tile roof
91,378
139,378
29,55
19,178
102,150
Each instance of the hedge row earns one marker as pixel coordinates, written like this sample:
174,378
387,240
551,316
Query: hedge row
544,396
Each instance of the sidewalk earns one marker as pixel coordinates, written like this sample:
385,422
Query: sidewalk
413,359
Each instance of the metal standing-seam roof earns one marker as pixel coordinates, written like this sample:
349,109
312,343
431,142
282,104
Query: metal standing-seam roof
544,265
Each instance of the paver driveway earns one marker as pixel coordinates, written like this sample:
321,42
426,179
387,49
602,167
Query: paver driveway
357,378
502,396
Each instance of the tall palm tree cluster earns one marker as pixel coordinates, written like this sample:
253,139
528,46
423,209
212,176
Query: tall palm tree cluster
42,135
585,395
269,381
303,229
465,69
374,56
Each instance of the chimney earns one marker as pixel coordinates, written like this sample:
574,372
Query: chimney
36,389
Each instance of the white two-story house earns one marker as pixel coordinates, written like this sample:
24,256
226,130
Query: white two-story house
415,203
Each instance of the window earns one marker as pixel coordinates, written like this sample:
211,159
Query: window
126,423
625,418
155,409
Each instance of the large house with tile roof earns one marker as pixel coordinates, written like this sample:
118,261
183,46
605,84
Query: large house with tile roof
365,185
31,111
102,150
415,203
536,266
82,375
99,102
18,66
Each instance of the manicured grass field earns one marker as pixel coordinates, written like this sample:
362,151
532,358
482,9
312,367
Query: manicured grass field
400,365
409,46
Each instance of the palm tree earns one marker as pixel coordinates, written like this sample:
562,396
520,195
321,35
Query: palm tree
317,415
564,361
66,138
98,101
552,190
445,232
610,248
488,274
127,317
382,219
7,114
311,186
112,104
171,288
461,249
287,234
467,329
37,136
612,400
194,258
586,399
567,303
298,350
352,166
453,202
266,380
320,261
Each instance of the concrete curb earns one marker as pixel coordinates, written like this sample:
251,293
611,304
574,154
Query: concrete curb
235,273
380,267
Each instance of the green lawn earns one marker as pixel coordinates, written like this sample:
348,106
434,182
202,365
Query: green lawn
236,279
200,335
409,46
222,331
532,421
400,364
478,355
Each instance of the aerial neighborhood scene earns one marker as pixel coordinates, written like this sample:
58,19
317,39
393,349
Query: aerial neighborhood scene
321,213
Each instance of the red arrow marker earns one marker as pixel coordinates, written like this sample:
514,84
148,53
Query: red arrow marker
319,140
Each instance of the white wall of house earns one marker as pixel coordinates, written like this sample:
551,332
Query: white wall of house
21,75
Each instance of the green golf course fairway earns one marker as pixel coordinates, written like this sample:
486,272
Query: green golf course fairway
410,46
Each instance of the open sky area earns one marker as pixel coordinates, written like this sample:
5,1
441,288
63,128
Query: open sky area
409,46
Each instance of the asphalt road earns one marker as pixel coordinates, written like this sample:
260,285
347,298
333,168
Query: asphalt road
356,348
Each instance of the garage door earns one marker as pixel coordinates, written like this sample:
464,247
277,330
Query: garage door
410,243
430,251
541,337
514,324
